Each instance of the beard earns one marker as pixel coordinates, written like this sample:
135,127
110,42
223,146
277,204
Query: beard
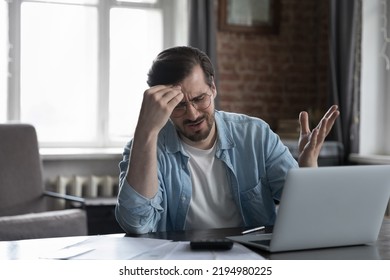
199,135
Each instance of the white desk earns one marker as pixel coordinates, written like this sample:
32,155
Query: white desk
113,247
153,246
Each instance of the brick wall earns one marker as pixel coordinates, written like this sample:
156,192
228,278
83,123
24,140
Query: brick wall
274,77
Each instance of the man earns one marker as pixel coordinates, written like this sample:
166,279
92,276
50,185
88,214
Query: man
192,167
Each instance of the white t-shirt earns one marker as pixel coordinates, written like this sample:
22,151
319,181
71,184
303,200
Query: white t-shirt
212,204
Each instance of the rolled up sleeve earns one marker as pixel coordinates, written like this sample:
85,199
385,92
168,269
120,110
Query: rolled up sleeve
136,213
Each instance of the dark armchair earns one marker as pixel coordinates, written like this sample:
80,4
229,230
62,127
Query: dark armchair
24,212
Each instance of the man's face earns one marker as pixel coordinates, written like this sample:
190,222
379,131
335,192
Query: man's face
196,127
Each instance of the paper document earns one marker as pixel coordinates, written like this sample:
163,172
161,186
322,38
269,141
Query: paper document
182,251
107,247
118,247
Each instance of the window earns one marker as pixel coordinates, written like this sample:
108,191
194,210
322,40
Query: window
58,73
3,60
81,65
127,68
375,88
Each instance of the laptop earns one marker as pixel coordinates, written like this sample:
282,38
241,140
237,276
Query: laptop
327,207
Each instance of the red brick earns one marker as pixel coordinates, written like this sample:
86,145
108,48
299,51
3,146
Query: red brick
276,76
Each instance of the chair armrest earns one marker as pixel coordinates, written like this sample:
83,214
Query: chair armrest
66,197
70,222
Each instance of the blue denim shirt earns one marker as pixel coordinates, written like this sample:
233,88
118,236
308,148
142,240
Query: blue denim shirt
256,164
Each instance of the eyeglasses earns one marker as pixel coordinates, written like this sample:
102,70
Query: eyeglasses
201,102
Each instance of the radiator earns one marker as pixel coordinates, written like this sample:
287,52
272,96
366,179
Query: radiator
83,186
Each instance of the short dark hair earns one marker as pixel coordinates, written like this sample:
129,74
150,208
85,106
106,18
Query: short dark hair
173,65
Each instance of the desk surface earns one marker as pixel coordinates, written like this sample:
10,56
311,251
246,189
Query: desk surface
380,250
158,246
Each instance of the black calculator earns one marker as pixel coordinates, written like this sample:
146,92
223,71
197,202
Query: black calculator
211,244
